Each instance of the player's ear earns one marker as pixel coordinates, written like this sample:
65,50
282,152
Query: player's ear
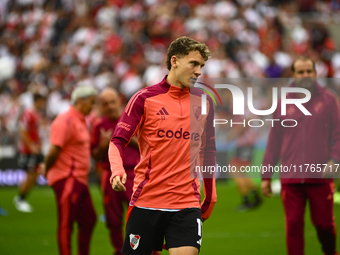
174,61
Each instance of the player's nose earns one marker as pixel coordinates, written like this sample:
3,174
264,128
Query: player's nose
198,71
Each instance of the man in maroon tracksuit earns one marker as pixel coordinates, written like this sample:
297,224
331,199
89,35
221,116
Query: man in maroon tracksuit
315,140
101,136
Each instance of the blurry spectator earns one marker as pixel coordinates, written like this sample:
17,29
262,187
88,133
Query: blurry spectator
125,37
273,70
10,111
120,44
29,149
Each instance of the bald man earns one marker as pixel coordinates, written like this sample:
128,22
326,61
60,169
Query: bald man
315,141
110,106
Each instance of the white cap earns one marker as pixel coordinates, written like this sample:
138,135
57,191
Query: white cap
82,92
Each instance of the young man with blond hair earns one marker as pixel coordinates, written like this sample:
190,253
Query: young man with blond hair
166,201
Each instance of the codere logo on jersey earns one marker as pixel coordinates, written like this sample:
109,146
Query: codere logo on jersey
179,134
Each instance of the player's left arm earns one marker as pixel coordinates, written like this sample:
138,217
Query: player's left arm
335,138
335,132
209,159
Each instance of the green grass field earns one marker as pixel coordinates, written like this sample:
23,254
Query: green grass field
258,232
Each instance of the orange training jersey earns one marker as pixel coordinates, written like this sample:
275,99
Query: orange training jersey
69,132
160,116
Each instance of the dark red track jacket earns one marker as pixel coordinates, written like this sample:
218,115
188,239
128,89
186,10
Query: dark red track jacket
315,139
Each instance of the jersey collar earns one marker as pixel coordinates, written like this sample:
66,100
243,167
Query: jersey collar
174,89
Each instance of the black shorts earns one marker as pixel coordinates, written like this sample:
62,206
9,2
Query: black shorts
29,162
146,230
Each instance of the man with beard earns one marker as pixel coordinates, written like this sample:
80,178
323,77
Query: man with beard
110,105
311,144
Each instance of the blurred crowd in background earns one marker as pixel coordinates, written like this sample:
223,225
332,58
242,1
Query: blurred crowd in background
52,46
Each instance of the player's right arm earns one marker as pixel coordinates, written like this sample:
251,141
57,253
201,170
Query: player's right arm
126,128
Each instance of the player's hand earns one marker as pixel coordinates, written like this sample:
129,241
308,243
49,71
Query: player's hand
118,183
266,188
35,149
105,137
